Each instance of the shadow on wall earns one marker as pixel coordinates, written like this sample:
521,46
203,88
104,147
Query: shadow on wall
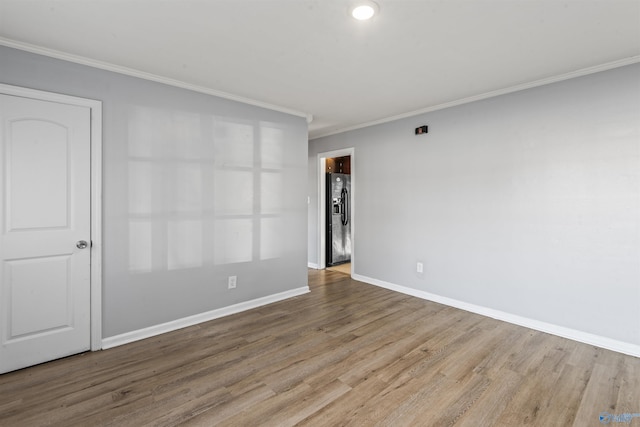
203,190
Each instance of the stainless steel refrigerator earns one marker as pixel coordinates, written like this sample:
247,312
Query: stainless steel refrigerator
338,241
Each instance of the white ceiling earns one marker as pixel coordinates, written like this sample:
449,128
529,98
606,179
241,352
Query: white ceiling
309,56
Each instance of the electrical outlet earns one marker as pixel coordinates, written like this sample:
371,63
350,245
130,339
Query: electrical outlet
232,282
419,267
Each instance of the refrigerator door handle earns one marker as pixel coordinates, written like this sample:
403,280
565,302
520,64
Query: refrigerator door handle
344,199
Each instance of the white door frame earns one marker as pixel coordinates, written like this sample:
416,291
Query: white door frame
322,209
96,194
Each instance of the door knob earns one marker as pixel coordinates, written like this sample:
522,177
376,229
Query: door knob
82,244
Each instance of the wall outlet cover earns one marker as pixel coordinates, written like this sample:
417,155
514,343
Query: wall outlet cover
232,282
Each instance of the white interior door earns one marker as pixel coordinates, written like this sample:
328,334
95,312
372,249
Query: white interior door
45,184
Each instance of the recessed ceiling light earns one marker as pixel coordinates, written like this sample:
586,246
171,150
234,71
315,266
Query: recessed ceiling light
363,9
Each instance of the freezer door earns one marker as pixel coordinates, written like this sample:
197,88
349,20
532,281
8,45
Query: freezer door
338,219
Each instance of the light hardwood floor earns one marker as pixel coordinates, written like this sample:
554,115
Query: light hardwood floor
342,268
345,354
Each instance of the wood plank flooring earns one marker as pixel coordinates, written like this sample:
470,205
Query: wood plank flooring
342,268
346,354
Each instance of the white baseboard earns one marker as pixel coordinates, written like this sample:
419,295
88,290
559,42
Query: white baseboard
561,331
313,265
162,328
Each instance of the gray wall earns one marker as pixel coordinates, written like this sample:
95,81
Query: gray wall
196,188
527,203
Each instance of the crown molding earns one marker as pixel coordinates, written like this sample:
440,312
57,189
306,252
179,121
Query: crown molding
309,118
52,53
561,77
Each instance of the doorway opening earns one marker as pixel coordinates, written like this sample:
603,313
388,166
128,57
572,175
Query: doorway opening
340,204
